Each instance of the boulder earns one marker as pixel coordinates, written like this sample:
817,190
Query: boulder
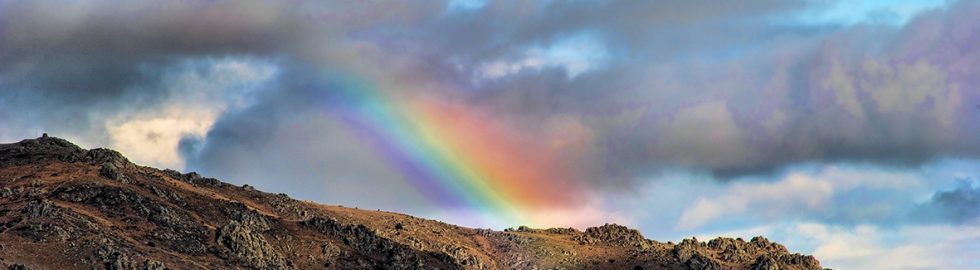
249,247
110,171
700,262
765,262
154,265
40,208
18,266
119,261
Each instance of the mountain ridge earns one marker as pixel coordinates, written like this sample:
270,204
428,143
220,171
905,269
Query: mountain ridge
64,207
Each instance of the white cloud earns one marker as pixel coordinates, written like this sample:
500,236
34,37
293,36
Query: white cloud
871,247
575,54
153,140
200,91
794,194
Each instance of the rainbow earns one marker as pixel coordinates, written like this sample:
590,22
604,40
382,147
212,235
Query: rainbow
457,157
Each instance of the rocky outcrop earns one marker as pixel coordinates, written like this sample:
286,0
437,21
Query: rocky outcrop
687,248
568,231
172,227
50,148
193,178
613,234
119,261
249,247
104,156
739,250
40,208
110,171
246,216
765,262
32,151
760,251
154,265
383,252
701,262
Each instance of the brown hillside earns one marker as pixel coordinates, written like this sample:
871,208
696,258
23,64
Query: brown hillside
63,207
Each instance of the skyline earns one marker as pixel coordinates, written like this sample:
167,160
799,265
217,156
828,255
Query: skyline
843,129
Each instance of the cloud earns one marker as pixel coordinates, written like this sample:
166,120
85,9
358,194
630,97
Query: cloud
75,65
199,91
795,193
795,94
804,94
575,54
871,247
701,135
93,59
829,194
466,4
152,141
958,205
846,13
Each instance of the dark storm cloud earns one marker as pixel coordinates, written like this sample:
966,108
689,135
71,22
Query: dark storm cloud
69,65
66,66
725,89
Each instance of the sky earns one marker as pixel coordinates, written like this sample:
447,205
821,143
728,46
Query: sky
843,129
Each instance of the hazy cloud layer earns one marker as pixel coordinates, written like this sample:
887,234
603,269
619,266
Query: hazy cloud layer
837,195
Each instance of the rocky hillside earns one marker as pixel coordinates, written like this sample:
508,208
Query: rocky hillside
63,207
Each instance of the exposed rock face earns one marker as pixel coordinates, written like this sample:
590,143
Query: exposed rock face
18,267
33,151
249,247
687,248
701,262
762,253
193,178
104,156
40,208
154,265
110,171
119,261
765,262
170,227
248,217
63,207
378,250
614,235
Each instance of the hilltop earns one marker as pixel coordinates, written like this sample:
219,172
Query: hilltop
64,207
